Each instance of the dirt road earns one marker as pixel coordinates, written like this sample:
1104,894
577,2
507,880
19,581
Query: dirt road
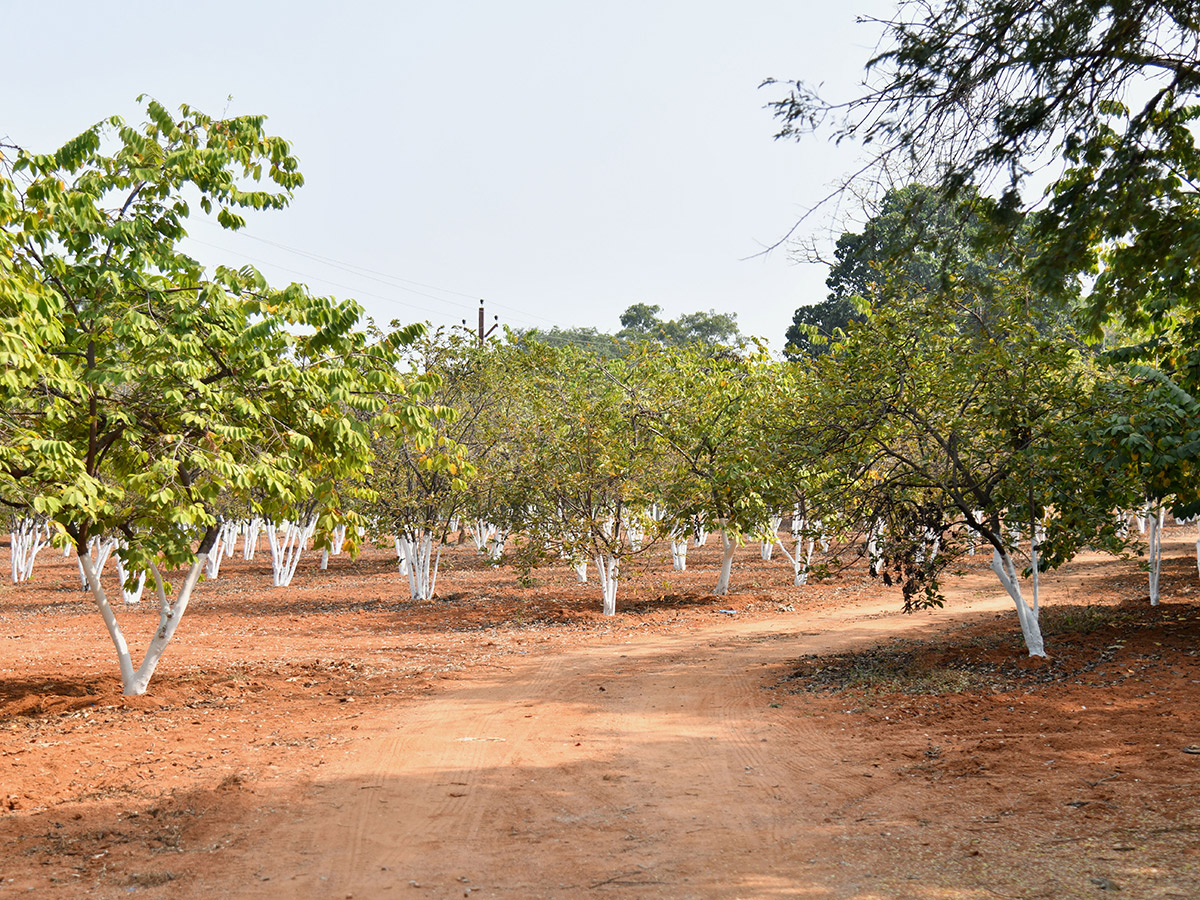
512,743
649,768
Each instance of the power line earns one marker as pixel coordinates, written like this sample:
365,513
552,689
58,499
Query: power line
352,289
383,277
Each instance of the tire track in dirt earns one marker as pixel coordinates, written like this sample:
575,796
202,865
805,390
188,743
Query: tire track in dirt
651,768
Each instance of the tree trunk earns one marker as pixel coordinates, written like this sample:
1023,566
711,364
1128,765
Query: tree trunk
133,595
422,564
608,568
250,541
679,549
496,544
134,683
25,541
1031,629
285,556
1155,520
801,558
874,555
728,545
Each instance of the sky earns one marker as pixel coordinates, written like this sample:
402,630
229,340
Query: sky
560,161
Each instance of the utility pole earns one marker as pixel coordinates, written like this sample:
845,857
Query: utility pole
484,335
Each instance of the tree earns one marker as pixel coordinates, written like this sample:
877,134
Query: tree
640,322
152,387
814,326
932,433
919,240
591,339
712,415
583,461
982,94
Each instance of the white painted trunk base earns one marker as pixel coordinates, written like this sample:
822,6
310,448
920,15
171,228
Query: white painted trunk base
496,544
1031,629
1154,520
422,564
135,682
25,542
801,558
481,533
251,529
679,549
608,570
286,551
728,545
134,594
98,552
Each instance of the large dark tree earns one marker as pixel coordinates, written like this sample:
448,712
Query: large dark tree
983,93
920,243
1099,97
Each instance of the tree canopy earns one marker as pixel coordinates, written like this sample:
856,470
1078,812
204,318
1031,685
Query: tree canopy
143,389
982,94
640,323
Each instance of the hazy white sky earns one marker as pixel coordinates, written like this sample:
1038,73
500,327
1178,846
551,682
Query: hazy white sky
560,160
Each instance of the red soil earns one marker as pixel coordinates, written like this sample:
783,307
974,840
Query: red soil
334,740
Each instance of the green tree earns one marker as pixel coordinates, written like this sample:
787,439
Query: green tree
144,389
919,241
591,339
933,434
983,94
813,327
640,322
584,462
712,416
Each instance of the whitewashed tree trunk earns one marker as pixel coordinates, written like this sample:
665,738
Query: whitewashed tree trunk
133,595
824,539
728,545
337,539
933,542
679,549
1006,571
422,564
874,554
1198,546
212,565
286,552
496,544
635,531
700,532
772,536
481,533
801,559
134,682
1155,519
98,552
251,529
581,574
25,541
231,529
402,562
608,568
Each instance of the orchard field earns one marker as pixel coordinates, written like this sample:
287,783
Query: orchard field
565,662
336,739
